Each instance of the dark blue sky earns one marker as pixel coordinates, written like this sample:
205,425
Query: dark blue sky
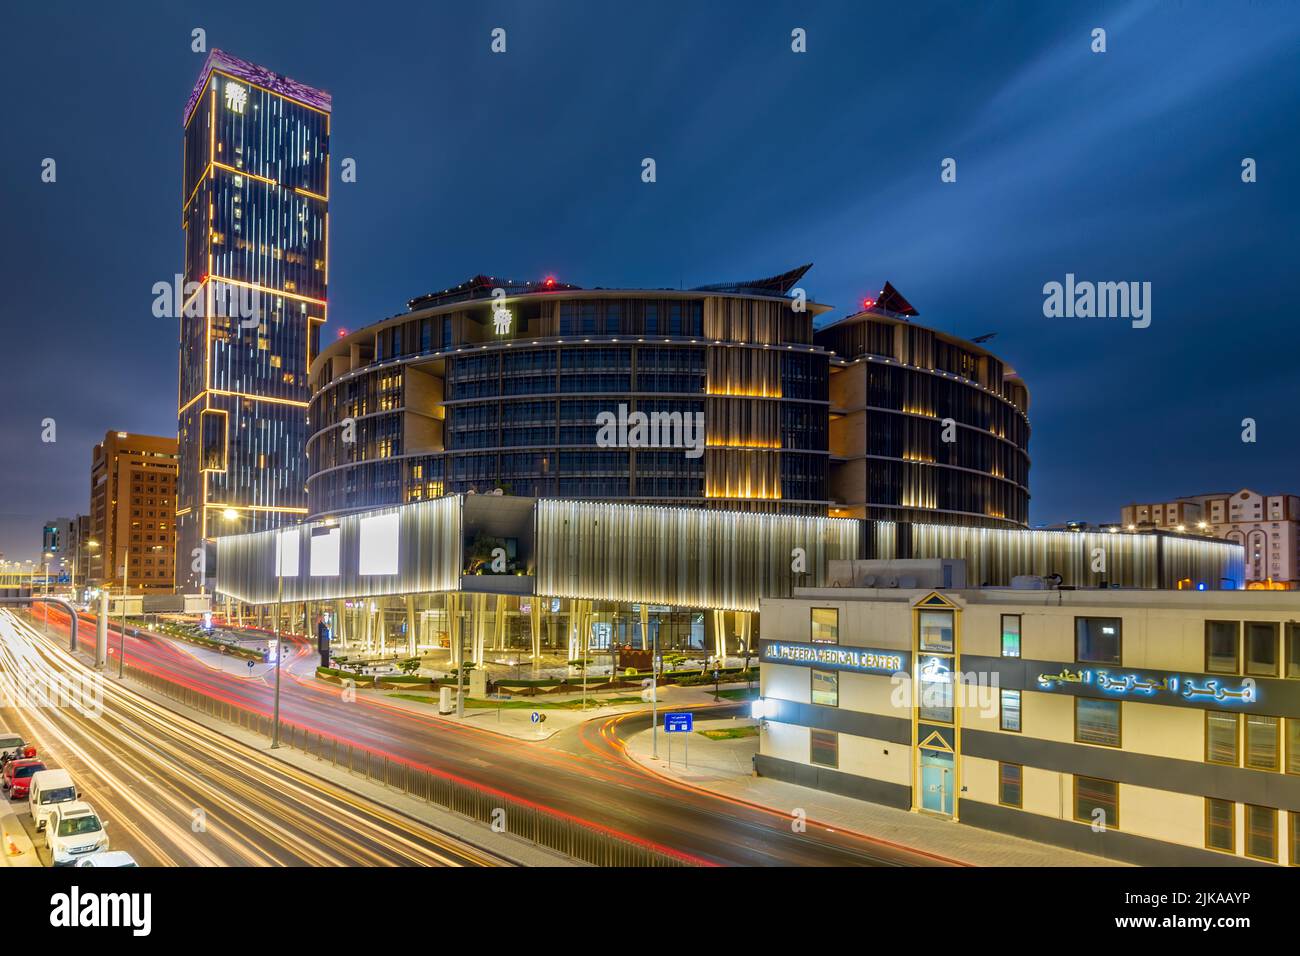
1115,166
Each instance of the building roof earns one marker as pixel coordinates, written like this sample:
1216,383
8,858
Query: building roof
260,75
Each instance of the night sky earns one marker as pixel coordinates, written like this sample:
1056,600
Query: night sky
1122,166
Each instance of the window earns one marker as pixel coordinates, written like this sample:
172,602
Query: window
1097,639
1261,742
826,688
1293,650
824,748
1097,721
1221,825
1261,649
1010,635
1221,743
825,625
1261,833
1096,801
1293,746
1295,838
935,688
1010,784
1221,647
936,631
1009,710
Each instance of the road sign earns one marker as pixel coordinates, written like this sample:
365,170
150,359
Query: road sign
250,665
681,723
537,717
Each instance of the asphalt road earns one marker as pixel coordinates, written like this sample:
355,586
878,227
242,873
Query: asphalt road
177,793
581,773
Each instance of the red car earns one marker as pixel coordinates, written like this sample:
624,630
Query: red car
18,776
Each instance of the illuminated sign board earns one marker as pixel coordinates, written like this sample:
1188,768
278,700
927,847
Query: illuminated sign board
1140,685
866,660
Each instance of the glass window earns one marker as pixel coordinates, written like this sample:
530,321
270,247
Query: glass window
1097,639
1010,786
1221,647
824,748
825,625
1261,742
1293,748
1261,649
1221,825
1261,833
1221,732
1097,721
936,693
1293,650
936,631
1009,710
1096,801
1295,837
826,688
1010,635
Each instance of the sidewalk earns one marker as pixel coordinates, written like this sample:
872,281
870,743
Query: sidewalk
15,844
725,767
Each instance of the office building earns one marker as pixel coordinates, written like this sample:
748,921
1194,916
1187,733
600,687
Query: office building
1152,726
471,392
255,216
132,507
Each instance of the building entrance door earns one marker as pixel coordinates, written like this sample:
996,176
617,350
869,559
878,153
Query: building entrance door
936,781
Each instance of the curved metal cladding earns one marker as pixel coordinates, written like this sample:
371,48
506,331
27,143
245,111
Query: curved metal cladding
411,550
686,557
924,426
470,393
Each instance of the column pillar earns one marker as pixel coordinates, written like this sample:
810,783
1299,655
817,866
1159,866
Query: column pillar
411,649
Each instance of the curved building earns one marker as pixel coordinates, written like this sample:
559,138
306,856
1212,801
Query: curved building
924,426
534,389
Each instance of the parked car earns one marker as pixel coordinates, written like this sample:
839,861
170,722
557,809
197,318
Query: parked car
18,776
47,790
74,830
108,858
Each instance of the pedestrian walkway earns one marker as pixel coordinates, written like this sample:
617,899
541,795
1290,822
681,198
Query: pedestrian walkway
725,767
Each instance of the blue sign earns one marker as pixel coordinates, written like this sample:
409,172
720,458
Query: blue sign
682,723
866,660
535,716
1149,685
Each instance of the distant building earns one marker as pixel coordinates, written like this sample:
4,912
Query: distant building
1268,526
58,546
132,508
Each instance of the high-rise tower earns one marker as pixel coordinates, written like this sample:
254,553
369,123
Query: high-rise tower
256,221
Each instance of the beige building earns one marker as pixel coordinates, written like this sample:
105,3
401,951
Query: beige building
1156,727
1268,526
132,511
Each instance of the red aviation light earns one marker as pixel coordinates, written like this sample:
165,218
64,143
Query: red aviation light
550,282
868,303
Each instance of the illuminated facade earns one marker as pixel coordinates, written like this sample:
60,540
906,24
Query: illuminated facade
255,215
924,426
528,576
1154,727
467,393
1267,526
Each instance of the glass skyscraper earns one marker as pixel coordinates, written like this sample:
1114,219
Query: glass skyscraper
256,222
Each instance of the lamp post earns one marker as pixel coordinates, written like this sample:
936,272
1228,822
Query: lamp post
121,650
